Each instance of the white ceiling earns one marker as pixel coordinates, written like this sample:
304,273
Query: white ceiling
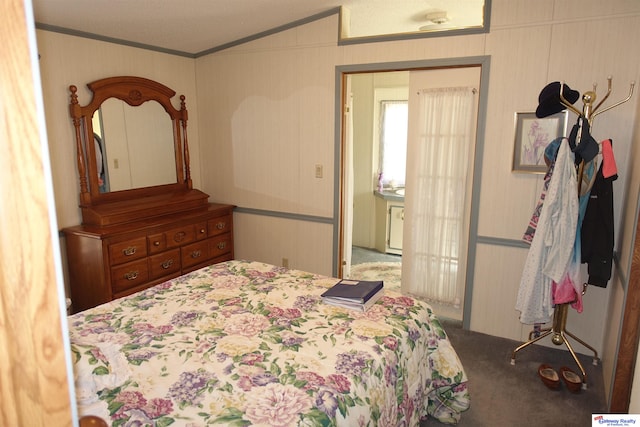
195,26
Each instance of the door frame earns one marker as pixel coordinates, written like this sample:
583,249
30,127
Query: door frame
628,336
341,73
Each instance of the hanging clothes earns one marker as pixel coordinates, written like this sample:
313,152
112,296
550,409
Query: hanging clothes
553,242
533,222
597,229
609,167
583,145
550,154
569,290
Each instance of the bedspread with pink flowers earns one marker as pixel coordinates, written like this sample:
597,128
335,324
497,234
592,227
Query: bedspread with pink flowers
245,343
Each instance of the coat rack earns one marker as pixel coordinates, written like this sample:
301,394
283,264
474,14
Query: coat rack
559,324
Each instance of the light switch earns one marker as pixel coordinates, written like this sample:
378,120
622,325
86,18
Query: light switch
116,164
318,171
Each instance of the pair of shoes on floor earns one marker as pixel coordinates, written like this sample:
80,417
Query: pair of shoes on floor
552,379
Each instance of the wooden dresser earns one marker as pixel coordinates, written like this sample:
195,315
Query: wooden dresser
142,221
108,262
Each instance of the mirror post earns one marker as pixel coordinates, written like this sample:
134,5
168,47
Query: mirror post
183,122
76,114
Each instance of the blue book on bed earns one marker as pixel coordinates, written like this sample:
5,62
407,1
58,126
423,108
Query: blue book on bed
358,291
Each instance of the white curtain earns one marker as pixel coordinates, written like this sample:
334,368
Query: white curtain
436,224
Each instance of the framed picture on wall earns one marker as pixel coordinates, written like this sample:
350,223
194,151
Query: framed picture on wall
532,135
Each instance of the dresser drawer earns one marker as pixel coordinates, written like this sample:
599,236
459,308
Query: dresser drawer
219,225
164,264
201,230
181,236
194,253
127,251
111,262
157,242
220,245
129,275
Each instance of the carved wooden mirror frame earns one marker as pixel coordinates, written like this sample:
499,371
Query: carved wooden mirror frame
136,203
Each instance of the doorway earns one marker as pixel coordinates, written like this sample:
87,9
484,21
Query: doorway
379,119
371,217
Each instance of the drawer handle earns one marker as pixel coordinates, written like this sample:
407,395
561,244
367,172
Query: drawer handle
156,243
221,225
222,245
132,275
202,231
167,264
129,251
179,237
196,254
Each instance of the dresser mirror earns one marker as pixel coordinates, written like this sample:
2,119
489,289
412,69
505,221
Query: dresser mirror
134,146
132,151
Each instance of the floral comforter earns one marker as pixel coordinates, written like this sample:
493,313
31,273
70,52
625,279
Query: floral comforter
245,343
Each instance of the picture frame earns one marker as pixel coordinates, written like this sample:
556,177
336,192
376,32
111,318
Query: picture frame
532,135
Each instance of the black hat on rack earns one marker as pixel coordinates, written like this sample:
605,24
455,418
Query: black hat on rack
549,99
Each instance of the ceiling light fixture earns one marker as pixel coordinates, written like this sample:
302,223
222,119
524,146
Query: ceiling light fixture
437,20
437,17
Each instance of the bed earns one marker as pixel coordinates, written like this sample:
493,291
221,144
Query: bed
246,343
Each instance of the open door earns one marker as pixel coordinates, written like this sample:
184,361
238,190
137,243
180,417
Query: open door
347,177
439,76
623,377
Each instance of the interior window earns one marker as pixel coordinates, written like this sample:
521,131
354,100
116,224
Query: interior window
393,142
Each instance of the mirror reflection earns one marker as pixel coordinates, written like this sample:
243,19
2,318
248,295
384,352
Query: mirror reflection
134,146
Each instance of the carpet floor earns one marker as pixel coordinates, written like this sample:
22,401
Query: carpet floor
389,272
513,395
